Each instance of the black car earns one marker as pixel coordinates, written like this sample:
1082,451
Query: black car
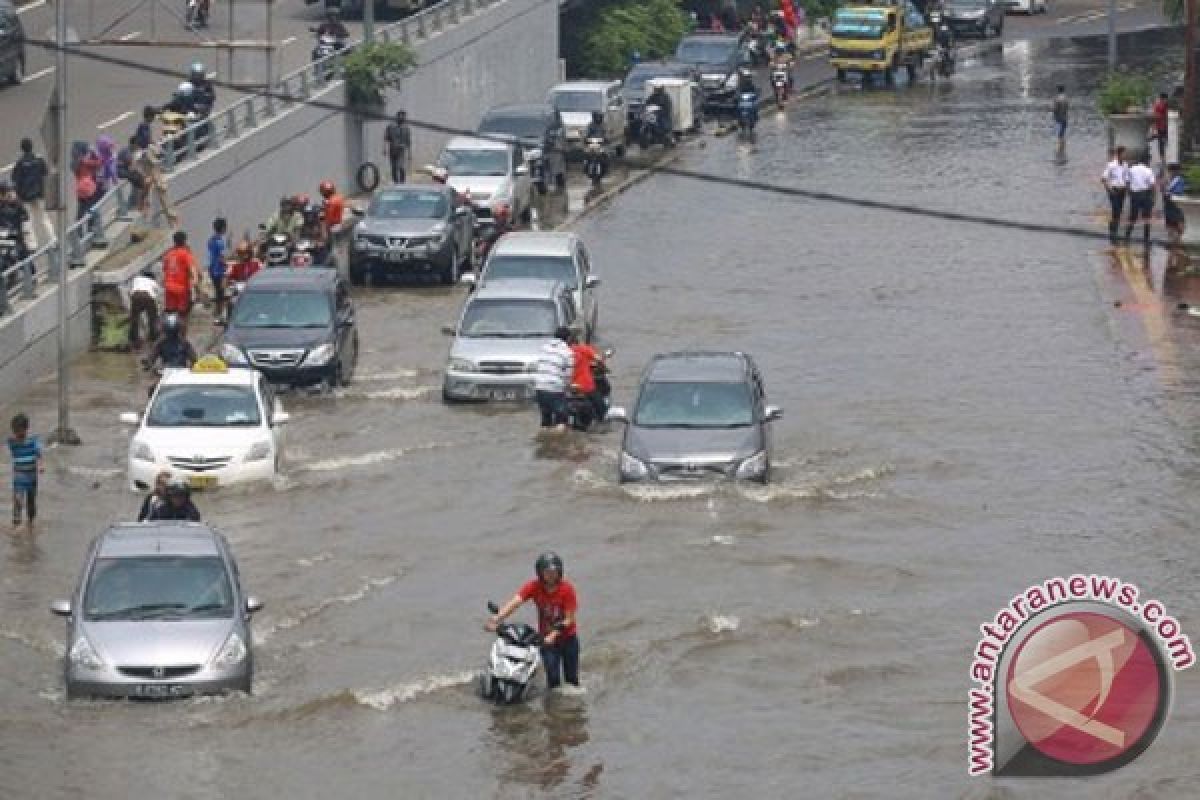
633,89
981,18
539,128
413,229
12,44
717,57
296,326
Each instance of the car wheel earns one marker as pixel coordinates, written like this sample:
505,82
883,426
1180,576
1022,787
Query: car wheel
450,271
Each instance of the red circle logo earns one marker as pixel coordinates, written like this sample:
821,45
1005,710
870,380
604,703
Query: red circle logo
1084,688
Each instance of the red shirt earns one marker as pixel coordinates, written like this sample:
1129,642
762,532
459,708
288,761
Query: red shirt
335,209
178,264
244,270
1160,115
553,606
582,377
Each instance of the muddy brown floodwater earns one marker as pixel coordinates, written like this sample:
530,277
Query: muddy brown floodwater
966,413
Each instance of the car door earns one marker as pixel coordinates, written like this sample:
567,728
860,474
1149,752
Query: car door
584,268
344,313
271,407
760,404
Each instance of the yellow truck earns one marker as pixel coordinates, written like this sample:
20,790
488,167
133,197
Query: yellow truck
879,38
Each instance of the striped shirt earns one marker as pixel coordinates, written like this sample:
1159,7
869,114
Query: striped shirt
25,455
555,364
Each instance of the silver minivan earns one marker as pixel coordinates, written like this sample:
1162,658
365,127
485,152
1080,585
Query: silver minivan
576,101
159,613
499,338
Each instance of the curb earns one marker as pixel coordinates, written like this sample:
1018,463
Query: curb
635,177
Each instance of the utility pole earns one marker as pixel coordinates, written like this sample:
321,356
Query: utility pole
1190,88
368,21
64,434
1112,35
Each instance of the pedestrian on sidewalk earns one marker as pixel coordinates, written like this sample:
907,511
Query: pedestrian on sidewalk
128,170
181,278
26,454
15,218
85,165
106,175
29,176
145,299
149,163
1175,186
1142,183
1160,114
1061,112
1115,180
144,134
397,146
218,246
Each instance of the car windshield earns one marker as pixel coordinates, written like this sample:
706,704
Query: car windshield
859,24
548,268
687,404
523,127
204,407
636,79
282,308
157,587
579,101
408,205
518,319
966,5
698,51
485,163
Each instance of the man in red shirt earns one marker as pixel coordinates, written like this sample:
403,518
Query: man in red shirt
1160,125
180,277
556,603
583,378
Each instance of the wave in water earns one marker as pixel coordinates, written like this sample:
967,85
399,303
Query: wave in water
38,645
395,393
721,623
367,459
95,472
305,614
393,375
386,698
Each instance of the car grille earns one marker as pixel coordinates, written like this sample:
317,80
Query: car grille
502,367
841,52
693,471
276,358
375,241
408,241
159,673
199,463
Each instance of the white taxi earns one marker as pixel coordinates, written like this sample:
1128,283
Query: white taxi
211,425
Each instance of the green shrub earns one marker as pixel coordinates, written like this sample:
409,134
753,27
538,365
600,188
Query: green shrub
1191,177
1122,91
600,39
371,68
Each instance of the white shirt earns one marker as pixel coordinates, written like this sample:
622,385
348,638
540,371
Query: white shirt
1116,175
1141,178
143,284
555,364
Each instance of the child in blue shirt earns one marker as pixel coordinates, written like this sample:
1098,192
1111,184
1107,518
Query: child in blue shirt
26,455
218,244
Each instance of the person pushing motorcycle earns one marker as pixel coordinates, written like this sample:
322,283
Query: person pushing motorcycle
557,605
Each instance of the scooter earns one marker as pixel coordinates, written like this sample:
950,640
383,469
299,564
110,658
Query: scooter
513,663
780,81
595,160
747,111
278,250
196,15
581,414
943,61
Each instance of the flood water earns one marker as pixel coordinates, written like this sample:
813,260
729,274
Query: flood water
966,413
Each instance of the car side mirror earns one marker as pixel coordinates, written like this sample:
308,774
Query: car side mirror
521,170
253,604
448,330
358,212
591,282
280,418
129,418
772,413
61,608
617,414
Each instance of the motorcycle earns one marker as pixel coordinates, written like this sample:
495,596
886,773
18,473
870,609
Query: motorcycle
651,130
513,662
747,111
277,250
595,160
174,131
943,62
327,44
196,15
780,81
581,413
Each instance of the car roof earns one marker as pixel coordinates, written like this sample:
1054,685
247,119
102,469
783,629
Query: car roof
158,539
293,278
699,365
476,143
536,243
663,68
584,86
234,376
521,110
732,38
519,289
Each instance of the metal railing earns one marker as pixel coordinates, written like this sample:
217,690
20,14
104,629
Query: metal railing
21,281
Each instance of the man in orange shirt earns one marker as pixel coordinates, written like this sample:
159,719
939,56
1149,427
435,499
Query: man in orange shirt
335,209
583,378
181,277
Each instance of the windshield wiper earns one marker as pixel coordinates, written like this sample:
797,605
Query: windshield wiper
144,611
210,607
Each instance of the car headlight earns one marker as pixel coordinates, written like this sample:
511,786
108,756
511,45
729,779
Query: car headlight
632,467
319,356
82,654
232,354
732,81
753,467
142,452
259,451
460,365
232,653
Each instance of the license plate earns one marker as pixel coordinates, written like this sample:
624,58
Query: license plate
504,394
854,73
161,690
396,257
202,481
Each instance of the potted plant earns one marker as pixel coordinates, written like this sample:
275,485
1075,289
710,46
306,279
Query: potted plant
1122,100
370,69
1189,203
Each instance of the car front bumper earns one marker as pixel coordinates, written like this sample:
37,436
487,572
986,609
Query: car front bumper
142,473
402,259
299,376
516,387
108,682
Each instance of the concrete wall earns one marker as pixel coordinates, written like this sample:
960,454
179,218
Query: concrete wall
29,341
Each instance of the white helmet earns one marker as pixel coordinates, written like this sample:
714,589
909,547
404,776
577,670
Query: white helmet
185,89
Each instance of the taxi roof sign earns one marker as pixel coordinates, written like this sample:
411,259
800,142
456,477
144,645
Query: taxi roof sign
210,364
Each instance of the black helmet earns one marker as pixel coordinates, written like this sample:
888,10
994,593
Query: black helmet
598,116
171,324
179,488
548,560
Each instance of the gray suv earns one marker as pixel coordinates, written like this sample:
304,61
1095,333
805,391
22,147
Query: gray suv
413,229
697,415
158,613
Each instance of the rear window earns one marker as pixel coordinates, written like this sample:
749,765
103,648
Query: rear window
526,127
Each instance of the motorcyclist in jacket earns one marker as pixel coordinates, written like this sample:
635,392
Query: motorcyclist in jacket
782,59
313,229
204,94
13,217
595,128
660,98
182,99
287,220
332,26
172,350
178,504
